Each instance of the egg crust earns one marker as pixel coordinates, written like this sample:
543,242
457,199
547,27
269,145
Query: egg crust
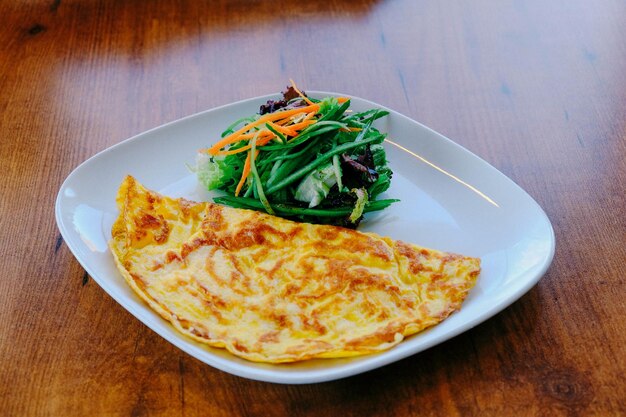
273,290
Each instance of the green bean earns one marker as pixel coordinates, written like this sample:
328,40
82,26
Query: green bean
230,129
317,162
287,210
257,178
276,132
303,137
279,166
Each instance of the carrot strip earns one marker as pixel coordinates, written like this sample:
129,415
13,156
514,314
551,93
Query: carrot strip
244,174
283,129
265,140
233,152
305,98
270,117
262,141
286,120
252,134
308,116
286,113
246,171
262,134
301,125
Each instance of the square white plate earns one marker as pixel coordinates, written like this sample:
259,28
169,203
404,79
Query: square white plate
450,200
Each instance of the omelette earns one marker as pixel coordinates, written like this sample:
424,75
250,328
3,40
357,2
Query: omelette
269,289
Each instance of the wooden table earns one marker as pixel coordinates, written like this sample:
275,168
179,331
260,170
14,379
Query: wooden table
538,89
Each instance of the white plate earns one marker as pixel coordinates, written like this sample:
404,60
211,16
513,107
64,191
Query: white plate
451,200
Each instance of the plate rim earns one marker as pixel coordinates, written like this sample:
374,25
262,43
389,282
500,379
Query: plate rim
364,363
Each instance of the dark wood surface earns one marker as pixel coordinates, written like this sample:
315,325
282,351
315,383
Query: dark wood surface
536,88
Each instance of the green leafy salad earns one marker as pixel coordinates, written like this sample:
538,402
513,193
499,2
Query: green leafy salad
300,158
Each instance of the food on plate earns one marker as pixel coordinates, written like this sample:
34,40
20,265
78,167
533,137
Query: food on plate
301,158
273,290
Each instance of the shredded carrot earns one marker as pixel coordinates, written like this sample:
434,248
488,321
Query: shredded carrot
262,135
307,116
305,98
287,130
265,140
233,152
283,121
245,173
260,142
301,125
270,117
252,134
277,120
289,119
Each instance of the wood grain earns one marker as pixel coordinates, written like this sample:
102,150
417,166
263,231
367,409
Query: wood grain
535,88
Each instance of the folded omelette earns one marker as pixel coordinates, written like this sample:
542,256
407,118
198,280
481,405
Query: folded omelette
272,290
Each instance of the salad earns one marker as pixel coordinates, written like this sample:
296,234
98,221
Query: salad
301,158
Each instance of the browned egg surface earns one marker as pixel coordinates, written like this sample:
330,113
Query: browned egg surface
272,290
